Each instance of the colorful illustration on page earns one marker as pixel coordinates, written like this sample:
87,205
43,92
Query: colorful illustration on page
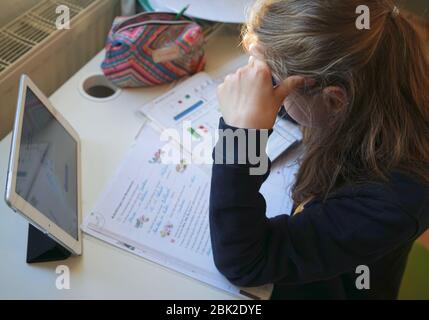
166,231
141,221
181,167
157,157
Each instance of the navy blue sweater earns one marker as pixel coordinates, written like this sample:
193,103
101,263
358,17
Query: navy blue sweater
314,254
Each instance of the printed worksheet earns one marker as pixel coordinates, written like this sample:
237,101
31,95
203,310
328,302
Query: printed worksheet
161,205
190,113
160,211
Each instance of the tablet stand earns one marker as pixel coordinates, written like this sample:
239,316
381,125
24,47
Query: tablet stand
42,248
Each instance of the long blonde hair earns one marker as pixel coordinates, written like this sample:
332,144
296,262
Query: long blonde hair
385,72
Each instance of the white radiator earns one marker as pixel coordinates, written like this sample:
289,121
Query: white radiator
31,44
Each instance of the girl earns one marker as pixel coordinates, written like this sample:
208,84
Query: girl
362,191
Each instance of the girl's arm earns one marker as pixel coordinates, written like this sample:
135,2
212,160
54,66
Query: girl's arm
353,228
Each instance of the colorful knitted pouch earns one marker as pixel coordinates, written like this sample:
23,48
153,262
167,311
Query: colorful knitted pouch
152,48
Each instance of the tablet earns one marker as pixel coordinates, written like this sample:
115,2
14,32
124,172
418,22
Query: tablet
43,180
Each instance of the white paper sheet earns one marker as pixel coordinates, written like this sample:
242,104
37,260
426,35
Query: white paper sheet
277,189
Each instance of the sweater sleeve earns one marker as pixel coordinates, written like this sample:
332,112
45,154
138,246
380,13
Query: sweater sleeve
323,241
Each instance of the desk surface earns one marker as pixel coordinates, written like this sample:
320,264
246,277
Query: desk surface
107,131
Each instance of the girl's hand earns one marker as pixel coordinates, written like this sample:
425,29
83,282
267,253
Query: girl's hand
247,97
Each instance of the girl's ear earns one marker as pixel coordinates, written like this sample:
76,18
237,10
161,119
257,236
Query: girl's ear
335,99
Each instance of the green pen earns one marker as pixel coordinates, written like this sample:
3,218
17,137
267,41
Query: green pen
180,14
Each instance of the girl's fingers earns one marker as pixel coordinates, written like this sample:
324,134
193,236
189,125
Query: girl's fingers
289,85
228,78
256,50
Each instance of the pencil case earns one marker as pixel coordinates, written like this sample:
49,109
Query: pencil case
152,48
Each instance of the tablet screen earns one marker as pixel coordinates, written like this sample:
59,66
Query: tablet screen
47,167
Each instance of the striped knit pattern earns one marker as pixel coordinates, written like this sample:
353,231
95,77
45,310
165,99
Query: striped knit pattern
129,60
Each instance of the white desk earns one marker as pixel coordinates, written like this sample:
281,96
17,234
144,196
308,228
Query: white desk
103,271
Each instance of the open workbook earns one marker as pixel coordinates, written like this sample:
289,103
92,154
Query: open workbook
160,211
158,208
